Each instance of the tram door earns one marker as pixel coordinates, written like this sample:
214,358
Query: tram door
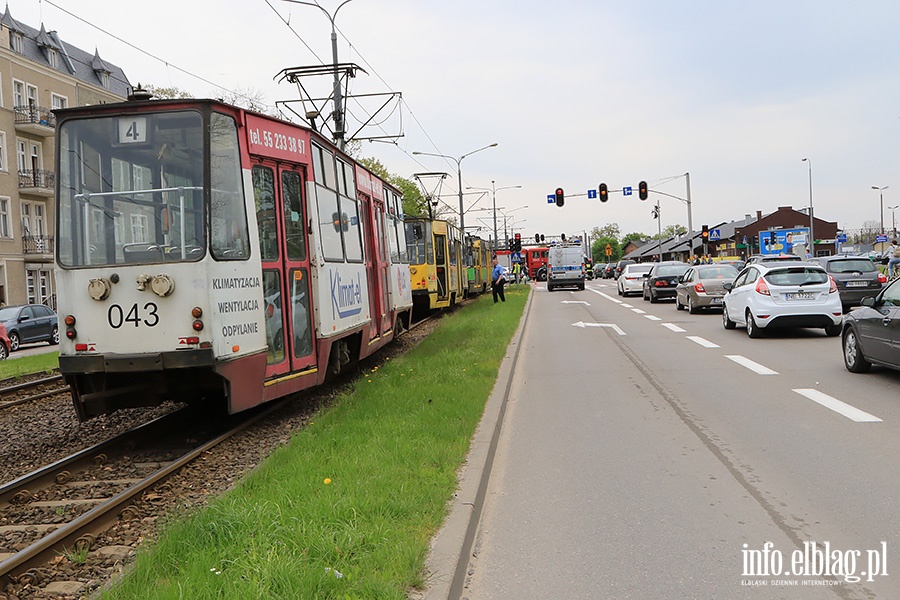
281,216
440,265
376,265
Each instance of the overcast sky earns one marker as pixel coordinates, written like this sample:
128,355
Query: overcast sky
573,93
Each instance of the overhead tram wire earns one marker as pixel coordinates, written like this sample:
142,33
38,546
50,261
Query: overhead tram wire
142,51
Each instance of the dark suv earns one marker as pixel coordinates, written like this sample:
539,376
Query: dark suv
620,266
29,323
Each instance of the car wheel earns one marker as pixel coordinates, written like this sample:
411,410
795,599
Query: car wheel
653,298
54,336
833,330
726,322
13,341
753,329
619,291
678,304
853,356
691,308
4,353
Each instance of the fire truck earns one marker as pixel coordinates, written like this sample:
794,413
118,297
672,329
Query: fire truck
536,262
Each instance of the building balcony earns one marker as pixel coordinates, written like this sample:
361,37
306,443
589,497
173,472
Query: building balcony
38,247
35,120
37,182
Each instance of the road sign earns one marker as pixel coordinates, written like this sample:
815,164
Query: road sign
551,198
592,194
516,256
715,235
608,250
843,238
626,191
880,238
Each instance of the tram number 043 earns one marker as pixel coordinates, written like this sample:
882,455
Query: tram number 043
117,316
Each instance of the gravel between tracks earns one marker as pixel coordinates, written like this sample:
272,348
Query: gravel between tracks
38,433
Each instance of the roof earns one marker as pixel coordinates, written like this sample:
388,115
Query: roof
83,66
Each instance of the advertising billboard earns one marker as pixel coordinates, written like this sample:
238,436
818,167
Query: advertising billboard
784,241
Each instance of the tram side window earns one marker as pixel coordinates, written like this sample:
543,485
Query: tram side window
274,318
264,196
353,234
294,219
229,233
303,344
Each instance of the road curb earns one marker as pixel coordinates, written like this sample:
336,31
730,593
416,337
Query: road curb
448,560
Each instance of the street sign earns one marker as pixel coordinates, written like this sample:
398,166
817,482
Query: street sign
515,256
626,191
880,238
551,198
843,238
592,194
715,235
608,250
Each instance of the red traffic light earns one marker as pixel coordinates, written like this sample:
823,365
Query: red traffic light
560,197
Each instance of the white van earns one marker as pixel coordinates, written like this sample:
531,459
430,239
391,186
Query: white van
565,267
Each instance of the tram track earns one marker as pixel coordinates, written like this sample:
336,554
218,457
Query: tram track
61,508
13,394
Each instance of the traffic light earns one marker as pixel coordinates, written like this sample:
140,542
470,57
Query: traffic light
509,244
642,190
604,192
560,197
537,238
704,233
518,243
562,236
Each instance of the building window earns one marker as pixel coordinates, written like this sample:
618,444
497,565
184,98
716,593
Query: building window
59,101
139,228
18,94
4,166
21,156
104,79
4,218
17,42
53,58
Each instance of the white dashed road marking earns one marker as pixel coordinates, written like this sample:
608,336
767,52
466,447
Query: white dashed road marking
699,340
851,412
753,366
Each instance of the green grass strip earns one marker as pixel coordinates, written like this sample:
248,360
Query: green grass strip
348,508
16,366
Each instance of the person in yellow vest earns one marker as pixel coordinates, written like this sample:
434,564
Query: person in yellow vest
517,271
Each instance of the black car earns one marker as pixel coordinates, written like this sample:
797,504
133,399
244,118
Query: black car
620,266
662,279
871,333
609,271
856,277
29,323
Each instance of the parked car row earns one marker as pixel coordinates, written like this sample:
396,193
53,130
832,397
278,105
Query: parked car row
26,324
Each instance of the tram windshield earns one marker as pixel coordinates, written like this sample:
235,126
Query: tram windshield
131,189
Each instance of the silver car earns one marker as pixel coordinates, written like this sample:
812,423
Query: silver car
703,286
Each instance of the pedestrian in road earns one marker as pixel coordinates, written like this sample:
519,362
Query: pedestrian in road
497,281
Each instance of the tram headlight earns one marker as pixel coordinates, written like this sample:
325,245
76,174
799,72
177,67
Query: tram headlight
99,288
69,320
162,285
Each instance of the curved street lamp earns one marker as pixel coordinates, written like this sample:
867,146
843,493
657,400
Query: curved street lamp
812,238
881,198
462,223
494,191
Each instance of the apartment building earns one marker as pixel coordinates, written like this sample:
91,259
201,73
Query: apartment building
38,73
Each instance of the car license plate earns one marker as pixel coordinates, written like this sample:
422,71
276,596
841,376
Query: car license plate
857,283
799,296
717,301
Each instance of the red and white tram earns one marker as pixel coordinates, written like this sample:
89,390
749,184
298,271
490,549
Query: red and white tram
205,251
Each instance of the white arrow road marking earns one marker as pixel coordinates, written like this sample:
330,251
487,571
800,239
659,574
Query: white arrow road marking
851,412
753,366
574,302
582,324
673,327
699,340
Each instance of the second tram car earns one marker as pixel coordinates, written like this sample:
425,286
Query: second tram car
437,273
214,252
478,270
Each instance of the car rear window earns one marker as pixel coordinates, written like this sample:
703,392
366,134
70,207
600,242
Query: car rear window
851,265
672,270
717,273
796,276
631,269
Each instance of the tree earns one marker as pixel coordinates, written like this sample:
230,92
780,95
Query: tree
670,232
610,230
598,249
413,202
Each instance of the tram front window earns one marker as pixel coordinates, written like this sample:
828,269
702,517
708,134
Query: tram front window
131,189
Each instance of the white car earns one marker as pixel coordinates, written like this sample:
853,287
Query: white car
787,294
631,281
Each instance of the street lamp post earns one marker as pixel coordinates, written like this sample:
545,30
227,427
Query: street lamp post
812,237
893,220
881,199
462,222
338,96
494,191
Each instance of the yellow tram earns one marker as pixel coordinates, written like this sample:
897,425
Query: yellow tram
478,262
436,268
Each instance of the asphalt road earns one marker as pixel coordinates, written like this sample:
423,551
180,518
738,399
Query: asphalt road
650,453
32,349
